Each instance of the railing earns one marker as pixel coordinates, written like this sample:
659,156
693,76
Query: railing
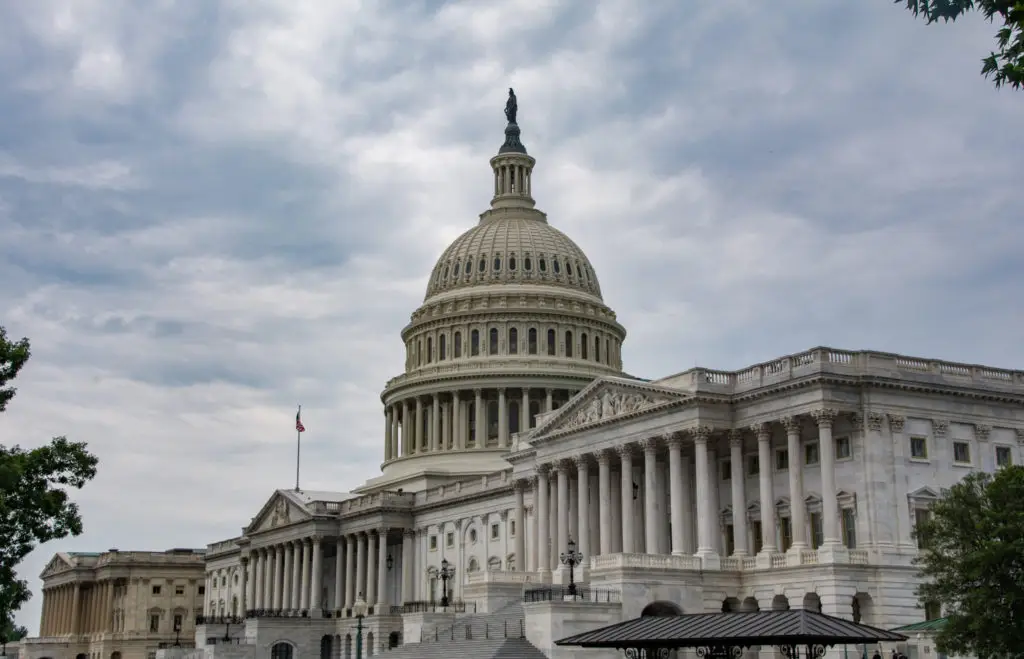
433,607
484,364
577,594
859,556
644,561
500,576
516,630
197,557
219,620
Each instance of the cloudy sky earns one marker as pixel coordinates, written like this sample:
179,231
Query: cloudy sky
210,212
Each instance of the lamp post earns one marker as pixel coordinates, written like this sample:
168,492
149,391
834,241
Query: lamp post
572,558
359,609
390,562
177,634
446,573
227,629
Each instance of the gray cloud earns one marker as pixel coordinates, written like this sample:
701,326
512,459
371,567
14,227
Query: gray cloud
209,215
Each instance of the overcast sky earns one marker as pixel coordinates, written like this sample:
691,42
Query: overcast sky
208,216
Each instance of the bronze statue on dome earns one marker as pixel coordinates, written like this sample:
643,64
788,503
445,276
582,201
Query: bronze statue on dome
511,106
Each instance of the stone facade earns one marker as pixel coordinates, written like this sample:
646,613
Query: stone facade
118,604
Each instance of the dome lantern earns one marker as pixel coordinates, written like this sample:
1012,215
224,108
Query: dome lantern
513,167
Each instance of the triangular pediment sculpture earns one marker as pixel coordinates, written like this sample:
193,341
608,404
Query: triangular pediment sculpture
608,400
280,510
56,565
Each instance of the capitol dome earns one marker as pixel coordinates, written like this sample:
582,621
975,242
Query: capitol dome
512,326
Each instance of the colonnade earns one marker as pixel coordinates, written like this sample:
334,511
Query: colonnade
77,608
564,498
449,420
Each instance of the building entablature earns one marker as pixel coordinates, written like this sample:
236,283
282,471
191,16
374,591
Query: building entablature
545,302
481,372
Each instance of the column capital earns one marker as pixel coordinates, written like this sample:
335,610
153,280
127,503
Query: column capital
651,444
940,427
875,421
762,430
701,433
791,423
543,469
674,440
409,533
604,456
896,422
581,461
244,559
1020,435
735,439
477,391
340,540
501,391
982,432
316,538
383,531
625,450
564,465
521,484
856,419
824,417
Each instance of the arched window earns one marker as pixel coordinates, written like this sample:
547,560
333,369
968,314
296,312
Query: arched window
281,650
442,348
597,348
551,343
543,265
513,341
512,263
482,265
458,344
494,564
583,346
474,343
469,265
555,266
531,340
430,349
497,264
492,347
607,351
568,343
326,641
419,352
527,264
455,271
568,268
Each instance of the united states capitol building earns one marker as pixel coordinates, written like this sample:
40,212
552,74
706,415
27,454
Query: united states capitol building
796,482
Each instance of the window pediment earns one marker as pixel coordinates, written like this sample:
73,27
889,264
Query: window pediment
846,499
923,497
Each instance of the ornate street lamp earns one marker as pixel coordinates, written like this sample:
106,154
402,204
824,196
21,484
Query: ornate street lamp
227,629
636,491
359,609
446,573
572,558
177,633
390,562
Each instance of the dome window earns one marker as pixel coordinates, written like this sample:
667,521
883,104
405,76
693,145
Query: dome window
531,341
445,276
568,268
474,343
527,265
482,265
430,349
583,345
513,341
493,341
551,342
456,271
512,263
442,348
543,265
555,266
568,343
497,264
457,344
469,265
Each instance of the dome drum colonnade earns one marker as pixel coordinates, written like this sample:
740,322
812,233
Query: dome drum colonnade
564,495
512,326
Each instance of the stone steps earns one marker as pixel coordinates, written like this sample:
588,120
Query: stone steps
507,621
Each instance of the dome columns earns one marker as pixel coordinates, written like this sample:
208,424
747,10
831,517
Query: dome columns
446,421
513,181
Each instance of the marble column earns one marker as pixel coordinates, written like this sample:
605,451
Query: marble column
417,434
446,427
287,573
406,440
279,552
604,488
76,624
339,574
651,517
797,509
827,457
502,419
541,510
297,575
382,607
904,524
562,506
350,570
739,494
435,424
626,457
317,587
480,416
764,480
260,569
361,567
370,594
675,491
304,583
409,564
705,512
524,411
396,433
519,519
387,433
583,510
549,400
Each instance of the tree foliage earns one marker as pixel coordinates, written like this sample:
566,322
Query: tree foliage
973,564
1006,65
10,632
35,505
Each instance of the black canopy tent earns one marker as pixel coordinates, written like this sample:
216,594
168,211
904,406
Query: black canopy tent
797,633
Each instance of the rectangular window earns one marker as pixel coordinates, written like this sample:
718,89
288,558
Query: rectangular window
849,528
730,540
932,611
919,448
177,622
753,465
781,459
156,590
449,539
726,470
811,456
202,590
755,528
531,337
495,531
921,515
433,543
179,590
844,450
961,452
154,622
1004,458
786,531
512,527
817,531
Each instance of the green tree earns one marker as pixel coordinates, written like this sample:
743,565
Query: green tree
1006,65
35,505
10,632
973,564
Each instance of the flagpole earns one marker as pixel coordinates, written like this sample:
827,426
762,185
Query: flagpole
298,448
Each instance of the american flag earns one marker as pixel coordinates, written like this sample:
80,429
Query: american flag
298,421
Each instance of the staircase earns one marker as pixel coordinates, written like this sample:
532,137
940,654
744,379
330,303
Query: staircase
497,635
506,622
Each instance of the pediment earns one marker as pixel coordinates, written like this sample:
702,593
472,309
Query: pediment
606,400
59,563
923,494
280,510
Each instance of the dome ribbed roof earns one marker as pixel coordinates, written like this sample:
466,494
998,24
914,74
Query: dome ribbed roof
513,249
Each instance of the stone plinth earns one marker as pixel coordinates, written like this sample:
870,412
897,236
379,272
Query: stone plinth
489,596
547,622
418,627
